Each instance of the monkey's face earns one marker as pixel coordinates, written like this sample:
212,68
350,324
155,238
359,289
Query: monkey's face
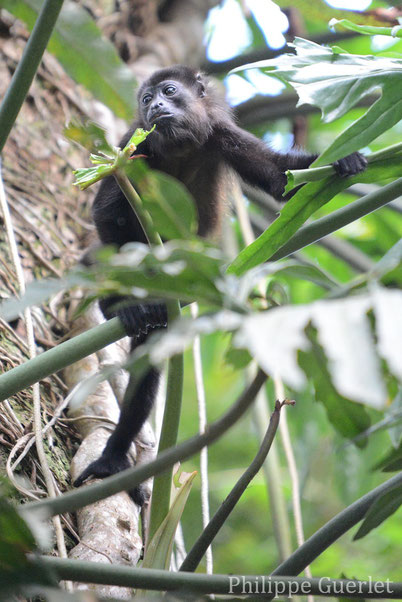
176,109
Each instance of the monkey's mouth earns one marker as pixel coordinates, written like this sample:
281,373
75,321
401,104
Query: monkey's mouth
159,117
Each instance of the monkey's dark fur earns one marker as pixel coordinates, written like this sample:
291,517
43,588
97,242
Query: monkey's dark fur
196,141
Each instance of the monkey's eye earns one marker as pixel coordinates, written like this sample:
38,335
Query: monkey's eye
170,90
146,99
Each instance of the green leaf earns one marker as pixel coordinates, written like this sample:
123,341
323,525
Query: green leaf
37,292
139,136
380,510
89,58
366,29
311,273
301,206
159,550
87,176
238,358
189,269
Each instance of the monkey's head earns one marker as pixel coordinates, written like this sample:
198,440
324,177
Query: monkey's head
175,99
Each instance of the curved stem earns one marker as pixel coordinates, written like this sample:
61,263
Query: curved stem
160,502
198,550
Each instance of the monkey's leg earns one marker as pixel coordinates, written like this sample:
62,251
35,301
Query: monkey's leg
139,321
137,405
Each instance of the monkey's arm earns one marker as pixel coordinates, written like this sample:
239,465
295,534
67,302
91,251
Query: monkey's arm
265,168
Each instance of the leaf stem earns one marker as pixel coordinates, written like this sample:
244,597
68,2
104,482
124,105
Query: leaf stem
135,202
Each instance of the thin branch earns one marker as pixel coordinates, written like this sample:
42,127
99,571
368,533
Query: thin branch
218,520
202,422
291,462
130,478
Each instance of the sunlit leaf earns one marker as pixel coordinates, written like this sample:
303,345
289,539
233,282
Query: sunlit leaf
348,418
335,82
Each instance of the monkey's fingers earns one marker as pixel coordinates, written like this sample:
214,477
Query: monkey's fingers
103,467
88,472
350,165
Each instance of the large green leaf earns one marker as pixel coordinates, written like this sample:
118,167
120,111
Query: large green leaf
335,81
301,206
89,58
168,201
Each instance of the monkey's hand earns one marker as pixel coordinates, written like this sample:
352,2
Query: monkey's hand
350,165
138,320
107,465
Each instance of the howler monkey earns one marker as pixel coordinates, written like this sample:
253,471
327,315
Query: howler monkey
195,140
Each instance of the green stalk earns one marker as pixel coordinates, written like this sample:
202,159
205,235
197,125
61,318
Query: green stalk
199,548
312,174
161,490
338,219
159,580
59,357
135,202
131,477
27,67
171,417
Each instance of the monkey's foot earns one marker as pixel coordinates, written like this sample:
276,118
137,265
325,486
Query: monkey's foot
105,466
350,165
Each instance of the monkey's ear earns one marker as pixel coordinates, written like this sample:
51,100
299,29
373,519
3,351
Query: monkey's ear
201,85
